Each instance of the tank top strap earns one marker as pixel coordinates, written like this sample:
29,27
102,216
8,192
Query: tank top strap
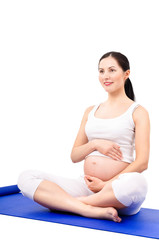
133,107
92,112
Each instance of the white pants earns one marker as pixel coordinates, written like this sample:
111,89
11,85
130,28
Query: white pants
129,188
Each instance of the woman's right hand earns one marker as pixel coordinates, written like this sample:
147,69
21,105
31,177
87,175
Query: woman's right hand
108,148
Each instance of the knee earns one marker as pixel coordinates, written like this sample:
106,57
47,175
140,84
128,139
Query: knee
23,178
138,188
27,182
130,188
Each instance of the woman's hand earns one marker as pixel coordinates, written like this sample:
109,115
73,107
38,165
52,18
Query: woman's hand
108,148
94,184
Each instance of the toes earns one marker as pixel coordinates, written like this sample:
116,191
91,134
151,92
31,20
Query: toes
117,219
114,215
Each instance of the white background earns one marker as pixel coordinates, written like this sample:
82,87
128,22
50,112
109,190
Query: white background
49,53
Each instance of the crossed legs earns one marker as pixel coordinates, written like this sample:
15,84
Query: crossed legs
104,198
124,194
52,196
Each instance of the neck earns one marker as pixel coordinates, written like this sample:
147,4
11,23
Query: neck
114,98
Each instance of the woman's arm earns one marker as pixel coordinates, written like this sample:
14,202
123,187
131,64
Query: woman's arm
142,147
82,147
142,142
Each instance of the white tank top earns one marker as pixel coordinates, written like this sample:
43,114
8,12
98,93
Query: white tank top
120,130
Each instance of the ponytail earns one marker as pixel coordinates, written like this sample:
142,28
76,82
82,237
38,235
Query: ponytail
129,89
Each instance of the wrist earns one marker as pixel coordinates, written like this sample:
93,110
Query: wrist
93,145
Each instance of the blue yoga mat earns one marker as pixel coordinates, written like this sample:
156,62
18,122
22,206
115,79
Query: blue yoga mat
13,203
9,190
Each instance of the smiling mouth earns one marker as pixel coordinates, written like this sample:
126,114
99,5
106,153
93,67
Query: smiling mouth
108,83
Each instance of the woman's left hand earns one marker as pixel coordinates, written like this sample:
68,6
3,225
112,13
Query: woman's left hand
94,184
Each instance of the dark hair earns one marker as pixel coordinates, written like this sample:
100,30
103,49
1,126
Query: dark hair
124,64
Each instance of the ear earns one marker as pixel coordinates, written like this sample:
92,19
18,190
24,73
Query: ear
127,74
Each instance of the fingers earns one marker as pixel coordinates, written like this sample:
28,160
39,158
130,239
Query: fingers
117,150
88,182
94,183
113,156
87,177
115,153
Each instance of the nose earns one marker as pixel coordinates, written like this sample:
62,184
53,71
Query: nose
106,75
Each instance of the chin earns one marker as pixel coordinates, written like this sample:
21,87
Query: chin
109,90
112,89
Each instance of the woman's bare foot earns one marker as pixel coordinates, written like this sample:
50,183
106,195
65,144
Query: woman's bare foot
108,213
112,214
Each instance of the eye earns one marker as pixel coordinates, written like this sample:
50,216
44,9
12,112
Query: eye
101,71
112,70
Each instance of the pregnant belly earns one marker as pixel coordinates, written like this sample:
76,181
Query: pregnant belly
103,167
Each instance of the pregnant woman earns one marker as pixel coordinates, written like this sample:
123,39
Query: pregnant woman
113,182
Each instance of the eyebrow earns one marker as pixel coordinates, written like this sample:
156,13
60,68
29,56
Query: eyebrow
108,67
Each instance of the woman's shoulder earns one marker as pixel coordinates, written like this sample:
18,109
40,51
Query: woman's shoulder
141,109
90,108
140,113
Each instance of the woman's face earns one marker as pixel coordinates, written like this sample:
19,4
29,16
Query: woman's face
111,75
